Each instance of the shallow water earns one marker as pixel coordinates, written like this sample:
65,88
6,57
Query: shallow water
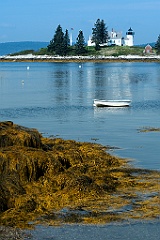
57,99
120,231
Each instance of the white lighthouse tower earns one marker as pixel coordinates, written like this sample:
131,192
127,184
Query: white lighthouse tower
129,40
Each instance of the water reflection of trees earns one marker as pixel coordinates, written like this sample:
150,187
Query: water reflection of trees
69,84
79,83
61,82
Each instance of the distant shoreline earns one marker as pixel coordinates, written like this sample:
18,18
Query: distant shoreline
46,58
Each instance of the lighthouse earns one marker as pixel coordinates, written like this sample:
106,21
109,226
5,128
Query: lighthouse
129,41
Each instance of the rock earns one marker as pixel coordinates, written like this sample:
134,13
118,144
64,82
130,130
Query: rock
8,233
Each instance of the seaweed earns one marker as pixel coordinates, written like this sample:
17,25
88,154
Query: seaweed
56,181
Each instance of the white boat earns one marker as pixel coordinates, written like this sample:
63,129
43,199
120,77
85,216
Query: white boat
111,103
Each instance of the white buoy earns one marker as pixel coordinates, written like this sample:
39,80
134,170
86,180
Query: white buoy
80,66
28,68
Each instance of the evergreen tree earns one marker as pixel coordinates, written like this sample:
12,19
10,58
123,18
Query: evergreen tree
66,43
99,33
157,45
80,43
57,43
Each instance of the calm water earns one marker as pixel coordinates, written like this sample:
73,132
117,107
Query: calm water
125,231
57,99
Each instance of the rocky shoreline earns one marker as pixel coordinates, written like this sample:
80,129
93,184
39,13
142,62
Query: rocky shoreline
47,58
10,233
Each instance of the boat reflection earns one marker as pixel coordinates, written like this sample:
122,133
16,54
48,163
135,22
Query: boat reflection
111,110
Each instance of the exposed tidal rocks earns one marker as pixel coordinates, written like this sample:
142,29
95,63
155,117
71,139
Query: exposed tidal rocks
50,58
10,233
58,181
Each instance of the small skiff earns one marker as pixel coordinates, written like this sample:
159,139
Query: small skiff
111,103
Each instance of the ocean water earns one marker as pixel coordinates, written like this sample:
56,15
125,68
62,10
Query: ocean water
120,231
57,99
14,47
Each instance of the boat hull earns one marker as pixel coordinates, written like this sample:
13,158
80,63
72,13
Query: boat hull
111,103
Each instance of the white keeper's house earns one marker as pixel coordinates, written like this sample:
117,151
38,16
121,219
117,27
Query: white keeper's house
116,38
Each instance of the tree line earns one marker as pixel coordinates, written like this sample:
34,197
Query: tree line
60,43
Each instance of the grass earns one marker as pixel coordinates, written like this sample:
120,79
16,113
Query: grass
124,50
25,52
90,51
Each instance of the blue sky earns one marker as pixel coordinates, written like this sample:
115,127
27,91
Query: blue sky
36,20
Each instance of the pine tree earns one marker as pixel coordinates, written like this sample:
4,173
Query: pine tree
80,44
57,43
66,43
99,33
157,45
